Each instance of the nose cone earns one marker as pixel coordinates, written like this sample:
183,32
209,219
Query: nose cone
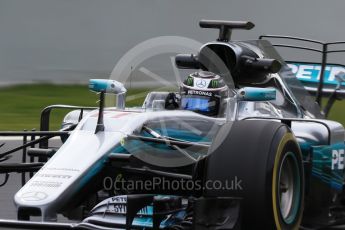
52,187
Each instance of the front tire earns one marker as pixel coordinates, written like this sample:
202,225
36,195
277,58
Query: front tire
266,157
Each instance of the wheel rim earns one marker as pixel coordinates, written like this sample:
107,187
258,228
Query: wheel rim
289,188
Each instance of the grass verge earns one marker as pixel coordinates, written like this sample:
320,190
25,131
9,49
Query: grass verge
21,105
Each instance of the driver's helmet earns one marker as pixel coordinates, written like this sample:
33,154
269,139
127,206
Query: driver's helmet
204,92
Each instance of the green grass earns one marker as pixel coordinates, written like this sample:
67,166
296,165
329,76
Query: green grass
338,112
21,105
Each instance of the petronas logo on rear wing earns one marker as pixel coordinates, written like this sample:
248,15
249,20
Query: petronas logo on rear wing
309,74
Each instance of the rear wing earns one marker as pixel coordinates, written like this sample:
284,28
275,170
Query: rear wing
316,72
309,74
321,79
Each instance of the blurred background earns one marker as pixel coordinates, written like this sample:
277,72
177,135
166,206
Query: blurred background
49,49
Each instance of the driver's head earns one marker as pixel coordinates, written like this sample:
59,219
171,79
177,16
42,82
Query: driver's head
204,92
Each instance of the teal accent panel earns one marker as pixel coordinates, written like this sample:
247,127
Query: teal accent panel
257,94
328,165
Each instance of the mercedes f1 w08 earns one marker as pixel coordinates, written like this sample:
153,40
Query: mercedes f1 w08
241,145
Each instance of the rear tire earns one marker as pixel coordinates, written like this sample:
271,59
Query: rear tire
265,157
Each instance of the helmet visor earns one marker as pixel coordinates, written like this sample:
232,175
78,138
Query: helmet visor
200,104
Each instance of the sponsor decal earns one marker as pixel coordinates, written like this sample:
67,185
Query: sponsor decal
54,176
214,83
201,83
118,205
63,169
119,199
109,114
311,72
122,209
33,196
46,184
337,159
120,115
95,115
190,81
119,209
201,93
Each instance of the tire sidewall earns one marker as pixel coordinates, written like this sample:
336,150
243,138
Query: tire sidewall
284,143
252,150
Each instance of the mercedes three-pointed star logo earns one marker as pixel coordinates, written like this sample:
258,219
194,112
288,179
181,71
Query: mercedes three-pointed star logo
33,196
201,83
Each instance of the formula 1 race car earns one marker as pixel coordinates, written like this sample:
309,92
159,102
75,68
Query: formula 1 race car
242,145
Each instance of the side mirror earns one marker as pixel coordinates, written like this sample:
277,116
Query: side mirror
106,86
187,61
110,86
261,64
256,94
